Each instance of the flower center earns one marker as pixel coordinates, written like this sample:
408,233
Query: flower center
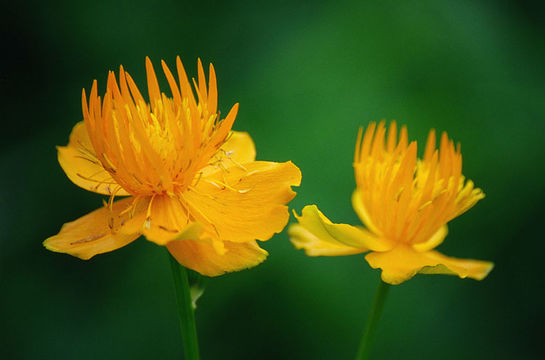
157,147
407,199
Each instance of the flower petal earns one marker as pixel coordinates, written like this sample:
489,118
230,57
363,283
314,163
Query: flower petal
79,162
244,203
240,147
205,259
164,221
238,150
94,233
302,238
402,263
433,241
319,236
361,211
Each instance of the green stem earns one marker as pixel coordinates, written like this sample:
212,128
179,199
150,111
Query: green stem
185,310
372,322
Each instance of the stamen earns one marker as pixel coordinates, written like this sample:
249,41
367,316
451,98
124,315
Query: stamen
237,164
408,199
148,212
160,147
174,231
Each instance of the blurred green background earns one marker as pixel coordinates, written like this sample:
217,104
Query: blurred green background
307,75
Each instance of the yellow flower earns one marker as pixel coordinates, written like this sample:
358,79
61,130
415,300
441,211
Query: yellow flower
405,204
193,185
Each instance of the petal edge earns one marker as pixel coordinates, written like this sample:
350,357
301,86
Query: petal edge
202,257
402,263
93,234
244,204
80,164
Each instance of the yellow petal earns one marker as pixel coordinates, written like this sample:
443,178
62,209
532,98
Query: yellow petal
433,241
243,204
319,236
166,220
193,231
362,213
203,258
238,150
94,233
302,238
163,221
402,263
79,162
240,147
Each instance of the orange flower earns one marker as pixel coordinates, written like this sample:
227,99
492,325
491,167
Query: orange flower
192,183
405,204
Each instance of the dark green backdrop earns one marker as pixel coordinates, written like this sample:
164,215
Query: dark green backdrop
307,75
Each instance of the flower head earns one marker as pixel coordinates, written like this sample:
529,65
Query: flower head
405,204
192,183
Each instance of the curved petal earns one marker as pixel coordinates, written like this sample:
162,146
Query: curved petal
433,241
161,218
167,218
402,263
362,213
79,162
302,238
319,236
94,233
243,204
238,149
205,259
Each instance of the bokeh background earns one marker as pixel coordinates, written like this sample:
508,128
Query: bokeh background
307,75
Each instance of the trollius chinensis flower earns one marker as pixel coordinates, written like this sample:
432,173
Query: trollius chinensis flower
404,203
187,180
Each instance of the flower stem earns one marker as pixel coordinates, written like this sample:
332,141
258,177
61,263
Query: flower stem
186,313
372,322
